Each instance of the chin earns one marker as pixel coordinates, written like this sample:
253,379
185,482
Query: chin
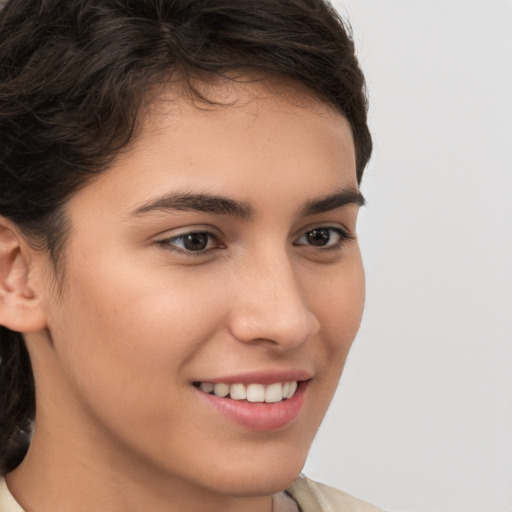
250,478
253,486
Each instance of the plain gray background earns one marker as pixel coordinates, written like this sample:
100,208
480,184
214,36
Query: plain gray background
422,421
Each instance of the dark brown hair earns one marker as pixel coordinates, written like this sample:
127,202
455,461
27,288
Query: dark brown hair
73,77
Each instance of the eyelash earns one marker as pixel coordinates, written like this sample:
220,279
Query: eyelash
170,243
343,236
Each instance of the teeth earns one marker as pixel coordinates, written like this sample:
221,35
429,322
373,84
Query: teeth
292,389
237,392
221,390
252,392
255,393
274,393
207,387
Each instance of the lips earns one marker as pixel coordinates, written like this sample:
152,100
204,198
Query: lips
259,401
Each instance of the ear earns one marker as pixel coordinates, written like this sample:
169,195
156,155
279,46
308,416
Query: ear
20,306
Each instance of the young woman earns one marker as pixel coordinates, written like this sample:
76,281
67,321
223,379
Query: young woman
180,279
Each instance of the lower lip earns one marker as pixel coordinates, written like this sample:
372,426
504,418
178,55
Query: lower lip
258,415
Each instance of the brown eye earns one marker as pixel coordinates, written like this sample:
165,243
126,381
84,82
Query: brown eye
192,243
195,241
318,237
323,237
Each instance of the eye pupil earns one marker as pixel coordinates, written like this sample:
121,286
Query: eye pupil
318,237
195,241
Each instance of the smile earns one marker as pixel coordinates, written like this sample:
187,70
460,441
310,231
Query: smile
256,405
254,392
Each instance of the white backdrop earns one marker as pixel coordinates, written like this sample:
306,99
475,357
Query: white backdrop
422,421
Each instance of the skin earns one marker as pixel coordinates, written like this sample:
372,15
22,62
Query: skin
119,426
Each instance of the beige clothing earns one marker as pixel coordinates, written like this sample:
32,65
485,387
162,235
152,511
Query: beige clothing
315,497
7,502
310,497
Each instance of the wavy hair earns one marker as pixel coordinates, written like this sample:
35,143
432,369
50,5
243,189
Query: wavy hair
73,77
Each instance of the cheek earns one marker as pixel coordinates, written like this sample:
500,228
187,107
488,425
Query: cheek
123,347
339,305
127,337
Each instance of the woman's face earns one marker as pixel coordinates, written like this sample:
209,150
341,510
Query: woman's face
219,251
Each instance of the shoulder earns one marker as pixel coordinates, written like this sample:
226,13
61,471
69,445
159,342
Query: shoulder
7,502
316,497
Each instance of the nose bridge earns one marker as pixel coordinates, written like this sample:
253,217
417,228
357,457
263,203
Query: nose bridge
271,305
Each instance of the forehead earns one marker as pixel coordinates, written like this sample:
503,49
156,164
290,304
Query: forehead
247,108
242,137
232,99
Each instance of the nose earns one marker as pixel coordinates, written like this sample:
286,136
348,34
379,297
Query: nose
271,306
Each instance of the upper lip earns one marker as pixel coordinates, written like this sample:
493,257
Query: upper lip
261,377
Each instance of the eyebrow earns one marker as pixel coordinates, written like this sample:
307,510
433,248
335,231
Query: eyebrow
198,202
333,201
223,206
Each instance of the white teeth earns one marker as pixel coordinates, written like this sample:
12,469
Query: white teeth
221,390
238,392
252,392
292,389
274,393
255,393
207,387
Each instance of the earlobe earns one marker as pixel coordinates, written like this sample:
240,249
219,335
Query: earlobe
20,307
